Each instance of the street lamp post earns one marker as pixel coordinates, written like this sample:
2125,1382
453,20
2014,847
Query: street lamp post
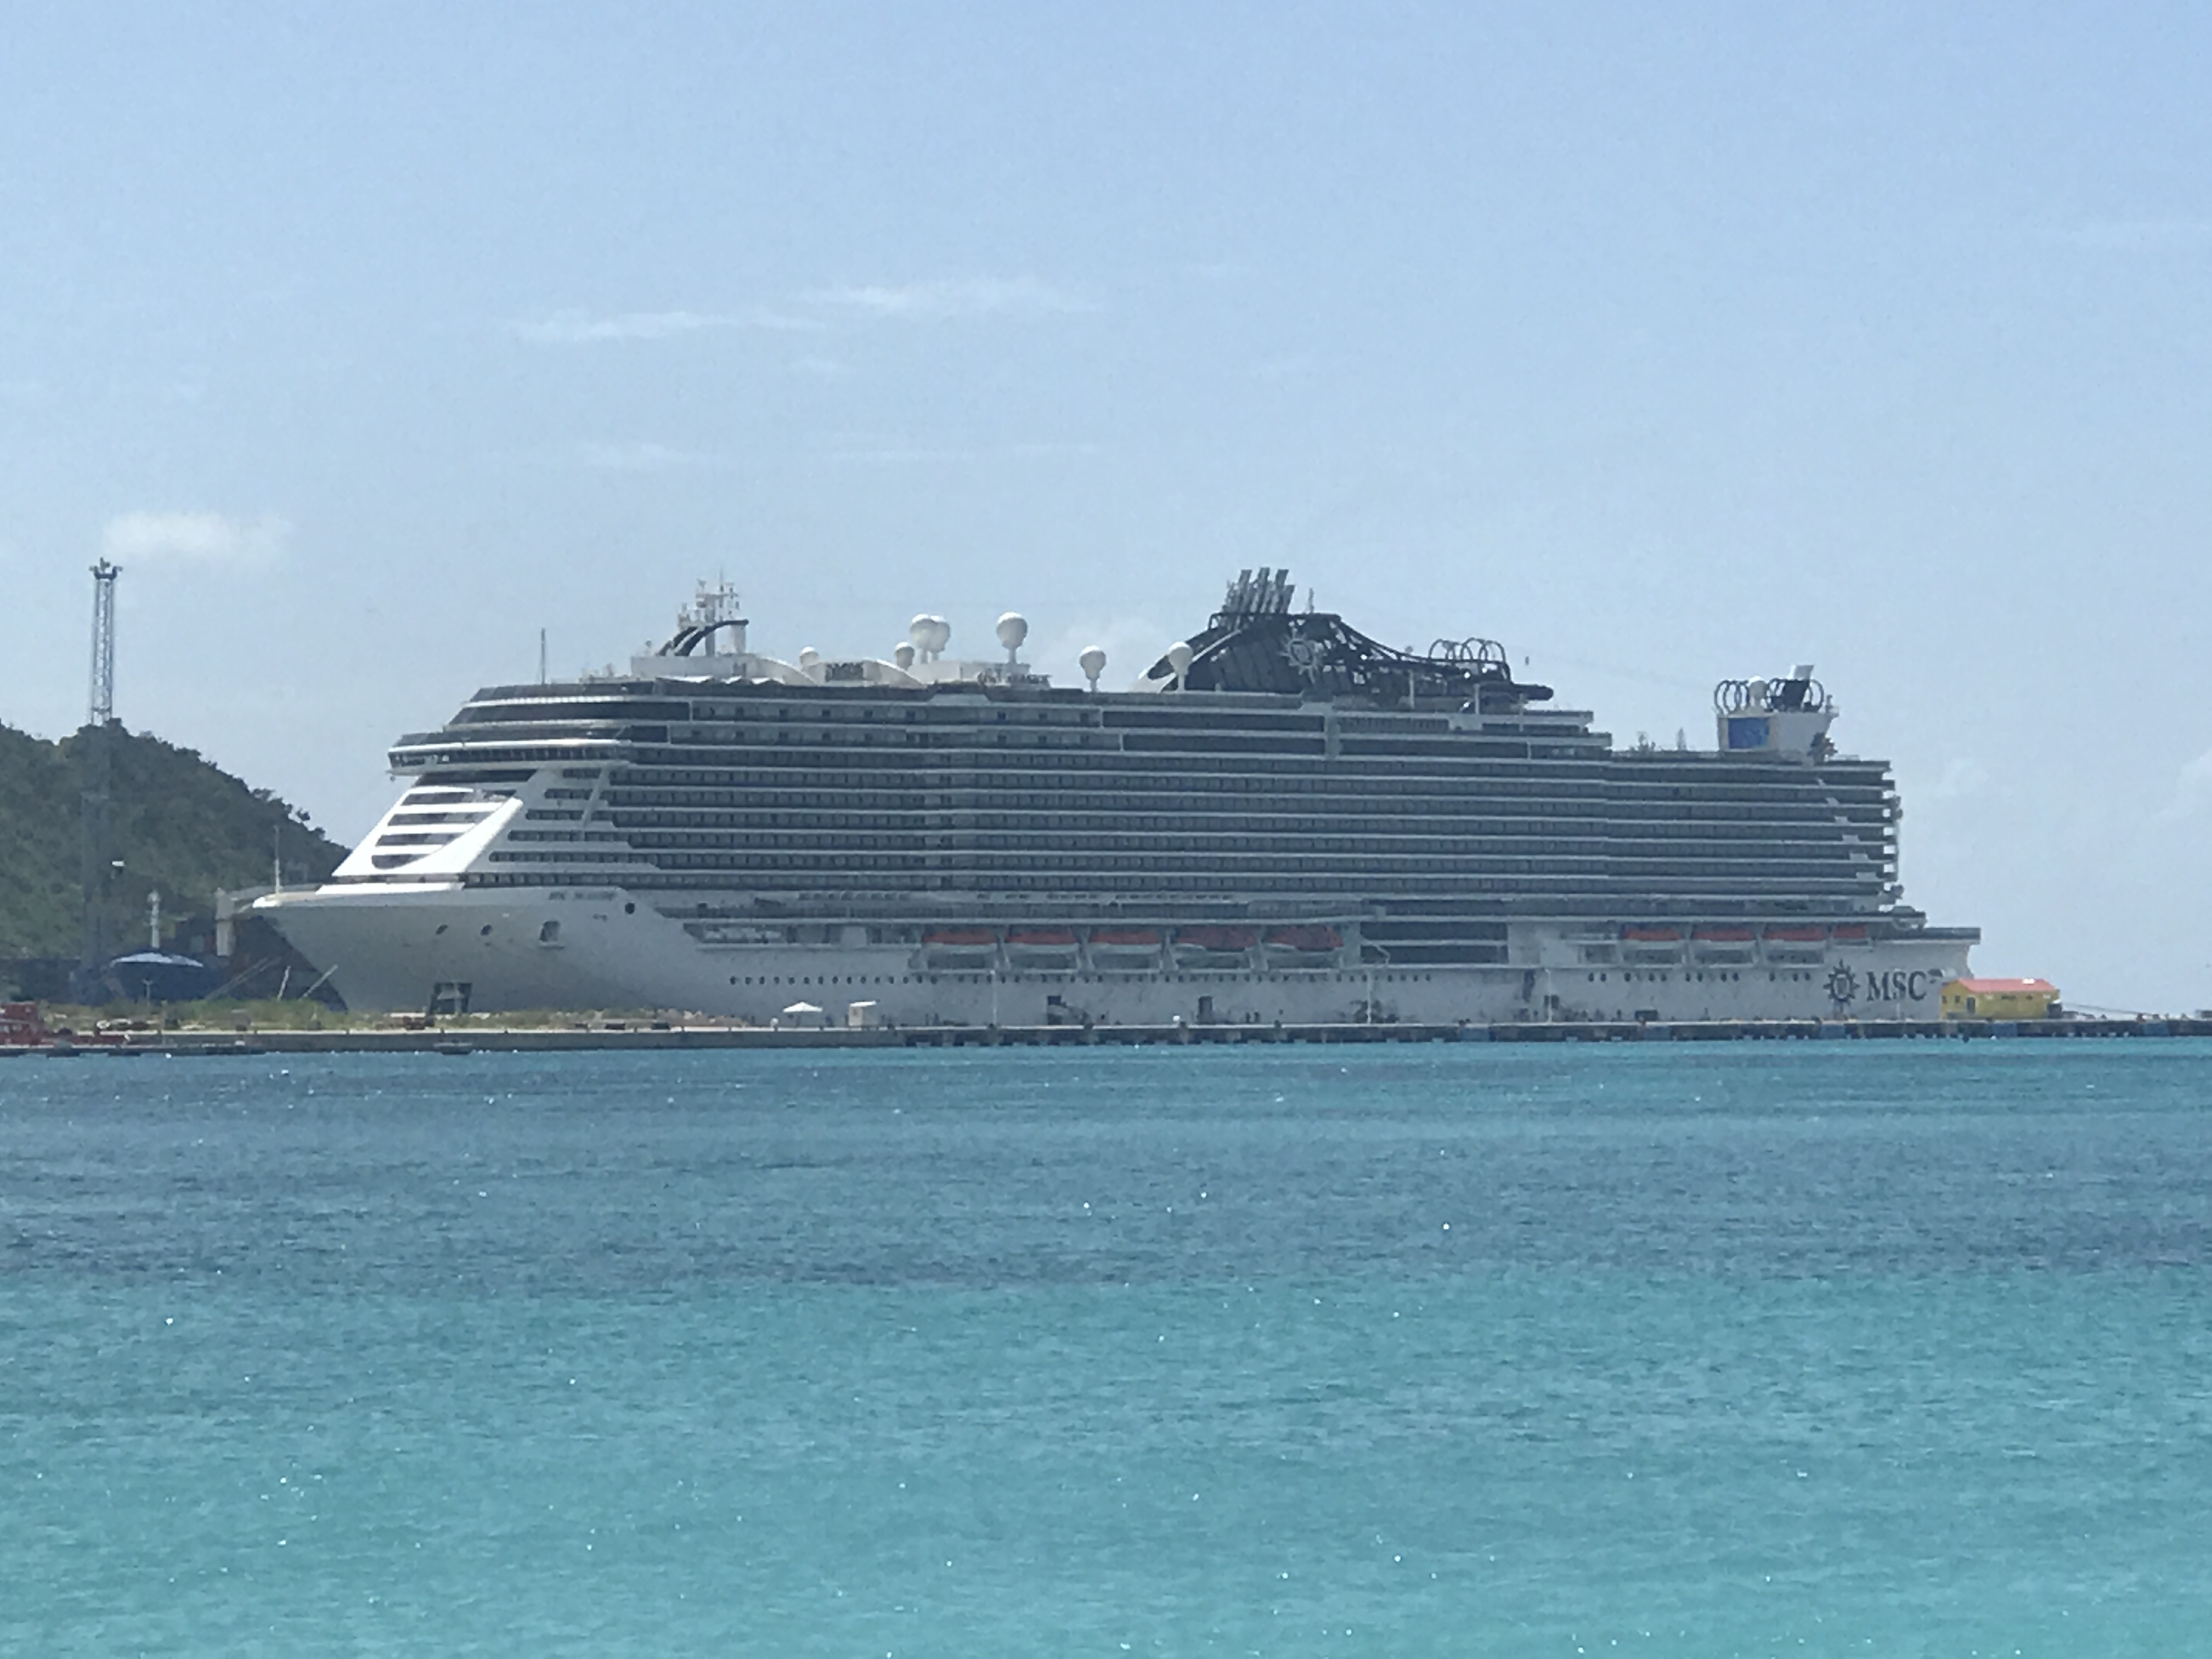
1364,947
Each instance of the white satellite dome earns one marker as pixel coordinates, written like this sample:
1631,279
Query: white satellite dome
930,635
1179,656
902,653
1013,628
1092,662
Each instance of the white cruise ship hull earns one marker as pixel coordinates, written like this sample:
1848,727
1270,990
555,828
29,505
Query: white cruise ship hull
393,949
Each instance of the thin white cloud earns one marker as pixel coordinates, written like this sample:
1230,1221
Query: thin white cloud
194,537
637,457
585,328
2192,789
894,450
926,301
967,296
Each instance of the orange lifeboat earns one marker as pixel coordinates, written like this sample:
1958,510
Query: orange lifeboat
969,948
1216,938
1125,950
1212,947
1305,941
1126,938
1041,947
1724,943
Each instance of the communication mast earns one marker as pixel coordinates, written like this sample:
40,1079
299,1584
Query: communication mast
98,736
103,642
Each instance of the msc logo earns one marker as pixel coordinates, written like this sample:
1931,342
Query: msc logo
1890,985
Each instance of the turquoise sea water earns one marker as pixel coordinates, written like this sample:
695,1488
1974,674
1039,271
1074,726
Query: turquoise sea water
1754,1349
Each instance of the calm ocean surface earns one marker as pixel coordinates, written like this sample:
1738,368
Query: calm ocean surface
1747,1349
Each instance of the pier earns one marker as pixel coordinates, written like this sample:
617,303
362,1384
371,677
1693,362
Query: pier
472,1037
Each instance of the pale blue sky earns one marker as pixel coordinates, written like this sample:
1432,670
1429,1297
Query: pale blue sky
1662,343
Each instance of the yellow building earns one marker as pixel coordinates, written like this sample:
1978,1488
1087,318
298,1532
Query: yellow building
1999,998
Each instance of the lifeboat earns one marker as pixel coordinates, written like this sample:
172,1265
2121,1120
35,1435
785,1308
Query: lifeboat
1214,947
1041,947
960,947
1302,947
1651,943
1125,949
1796,942
1721,944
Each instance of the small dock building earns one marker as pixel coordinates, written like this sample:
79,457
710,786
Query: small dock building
1999,998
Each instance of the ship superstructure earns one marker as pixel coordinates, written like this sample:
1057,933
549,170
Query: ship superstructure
1284,819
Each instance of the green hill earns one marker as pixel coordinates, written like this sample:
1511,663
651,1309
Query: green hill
178,823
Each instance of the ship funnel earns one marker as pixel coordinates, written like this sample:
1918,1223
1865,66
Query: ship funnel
1092,662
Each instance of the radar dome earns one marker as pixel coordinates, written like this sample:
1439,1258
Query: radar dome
930,635
1092,662
1179,656
902,654
1013,628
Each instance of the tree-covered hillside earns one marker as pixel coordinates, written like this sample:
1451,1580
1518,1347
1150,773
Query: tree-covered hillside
176,821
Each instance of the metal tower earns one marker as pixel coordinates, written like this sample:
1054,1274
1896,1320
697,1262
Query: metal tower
103,642
98,735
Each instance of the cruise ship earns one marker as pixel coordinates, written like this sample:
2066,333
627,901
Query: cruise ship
1283,819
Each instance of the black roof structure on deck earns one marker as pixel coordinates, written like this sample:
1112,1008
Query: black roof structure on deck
1256,642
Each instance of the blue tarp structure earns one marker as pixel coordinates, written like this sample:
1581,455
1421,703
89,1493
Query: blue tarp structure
161,976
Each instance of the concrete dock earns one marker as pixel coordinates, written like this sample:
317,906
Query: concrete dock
470,1036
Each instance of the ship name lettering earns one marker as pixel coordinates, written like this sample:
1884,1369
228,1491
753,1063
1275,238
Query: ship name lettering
1897,985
